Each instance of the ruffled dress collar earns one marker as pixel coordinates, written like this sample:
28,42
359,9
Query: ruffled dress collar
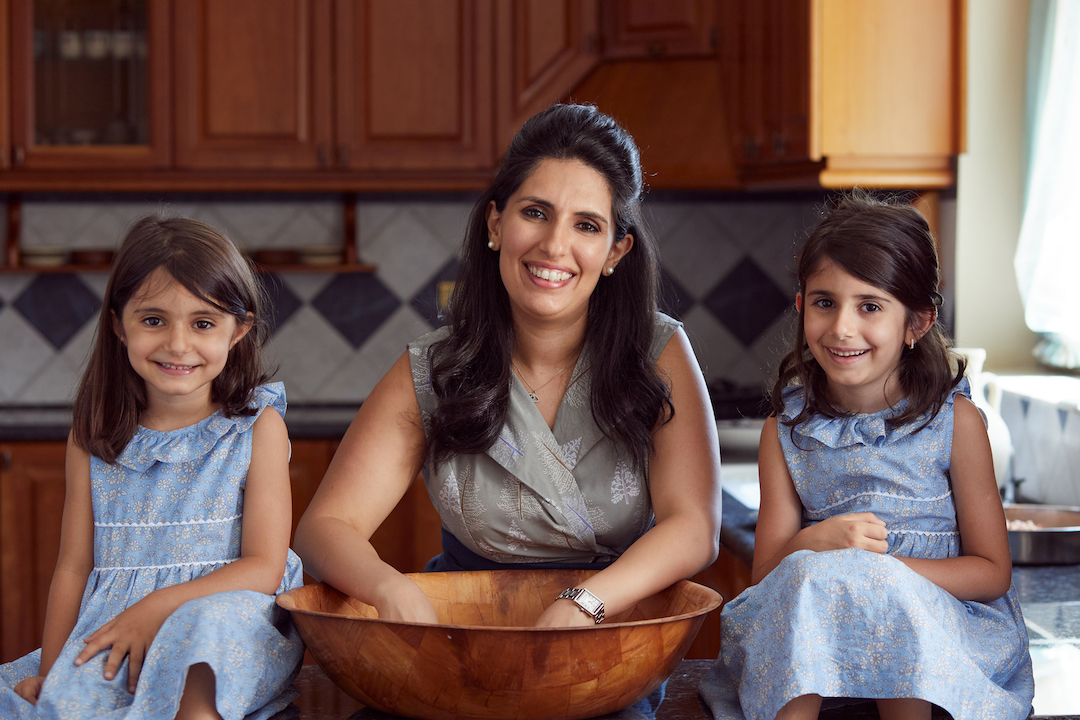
195,441
871,429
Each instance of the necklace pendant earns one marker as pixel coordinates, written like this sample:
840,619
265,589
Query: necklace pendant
535,397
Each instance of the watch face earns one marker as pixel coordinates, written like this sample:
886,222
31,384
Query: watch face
589,601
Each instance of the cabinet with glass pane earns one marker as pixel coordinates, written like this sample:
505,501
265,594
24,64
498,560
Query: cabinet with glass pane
89,84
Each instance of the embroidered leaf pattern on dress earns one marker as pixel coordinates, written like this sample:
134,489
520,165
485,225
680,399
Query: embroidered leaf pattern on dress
624,485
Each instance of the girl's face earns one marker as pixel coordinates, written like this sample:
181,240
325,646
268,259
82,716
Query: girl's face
176,342
856,332
554,238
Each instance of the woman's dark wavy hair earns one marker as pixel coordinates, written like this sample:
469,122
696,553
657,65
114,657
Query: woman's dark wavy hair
887,244
111,396
470,369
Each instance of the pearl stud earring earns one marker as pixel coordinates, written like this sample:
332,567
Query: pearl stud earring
608,271
491,244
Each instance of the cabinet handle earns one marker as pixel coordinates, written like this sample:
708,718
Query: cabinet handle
18,155
5,460
323,155
343,156
778,144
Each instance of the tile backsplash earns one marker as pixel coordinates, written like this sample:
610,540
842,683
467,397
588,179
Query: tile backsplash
727,265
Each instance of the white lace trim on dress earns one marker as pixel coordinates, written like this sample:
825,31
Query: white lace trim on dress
168,565
170,523
895,496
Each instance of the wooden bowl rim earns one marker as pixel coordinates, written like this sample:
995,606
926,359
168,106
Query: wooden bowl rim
284,600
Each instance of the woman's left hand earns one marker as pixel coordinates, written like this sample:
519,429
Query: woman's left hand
564,613
129,633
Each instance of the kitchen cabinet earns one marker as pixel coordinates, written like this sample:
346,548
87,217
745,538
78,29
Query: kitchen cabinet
31,504
844,92
89,84
658,28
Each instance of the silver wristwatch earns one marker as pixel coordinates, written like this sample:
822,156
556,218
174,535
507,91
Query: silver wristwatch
586,602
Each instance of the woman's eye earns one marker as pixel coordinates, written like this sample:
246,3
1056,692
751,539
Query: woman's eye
588,226
534,213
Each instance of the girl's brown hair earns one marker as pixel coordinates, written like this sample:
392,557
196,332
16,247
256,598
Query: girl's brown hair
887,244
111,396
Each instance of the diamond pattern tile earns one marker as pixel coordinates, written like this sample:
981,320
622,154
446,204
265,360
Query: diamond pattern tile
431,300
57,305
356,304
283,302
746,301
674,299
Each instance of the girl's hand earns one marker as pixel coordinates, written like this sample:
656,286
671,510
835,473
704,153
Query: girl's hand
855,530
30,689
129,633
399,598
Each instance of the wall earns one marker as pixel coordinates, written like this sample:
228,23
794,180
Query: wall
727,263
989,313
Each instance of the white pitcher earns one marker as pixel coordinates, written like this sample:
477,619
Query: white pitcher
987,397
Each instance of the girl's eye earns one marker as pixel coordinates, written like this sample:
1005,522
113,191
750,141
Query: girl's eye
204,324
152,321
870,307
534,212
823,303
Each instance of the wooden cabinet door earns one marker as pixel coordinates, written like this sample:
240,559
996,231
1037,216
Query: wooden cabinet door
253,84
32,485
658,28
414,84
83,92
543,49
5,88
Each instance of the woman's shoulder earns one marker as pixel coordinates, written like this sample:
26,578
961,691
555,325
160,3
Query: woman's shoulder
664,327
425,341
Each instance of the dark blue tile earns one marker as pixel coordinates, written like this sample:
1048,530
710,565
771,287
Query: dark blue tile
747,301
674,299
356,304
283,301
57,305
430,301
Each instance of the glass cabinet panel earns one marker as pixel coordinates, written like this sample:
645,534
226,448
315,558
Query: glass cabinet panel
90,76
89,83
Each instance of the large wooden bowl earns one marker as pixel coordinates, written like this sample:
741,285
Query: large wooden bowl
485,660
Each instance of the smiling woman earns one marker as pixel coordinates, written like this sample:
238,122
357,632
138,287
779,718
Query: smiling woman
560,420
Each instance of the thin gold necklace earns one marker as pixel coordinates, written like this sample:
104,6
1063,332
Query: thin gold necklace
532,391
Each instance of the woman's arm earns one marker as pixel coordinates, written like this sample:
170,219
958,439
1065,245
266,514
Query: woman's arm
779,527
380,455
73,565
984,571
263,549
684,484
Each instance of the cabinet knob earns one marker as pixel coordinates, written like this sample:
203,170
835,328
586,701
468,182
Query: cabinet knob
5,460
18,155
343,156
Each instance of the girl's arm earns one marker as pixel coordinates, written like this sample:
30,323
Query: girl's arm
380,455
984,571
263,549
73,566
779,527
684,485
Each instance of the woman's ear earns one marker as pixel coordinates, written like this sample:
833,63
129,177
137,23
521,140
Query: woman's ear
493,225
618,251
798,303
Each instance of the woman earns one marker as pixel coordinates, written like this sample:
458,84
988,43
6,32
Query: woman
559,419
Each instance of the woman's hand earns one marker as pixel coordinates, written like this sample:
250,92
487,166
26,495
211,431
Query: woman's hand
30,688
399,598
129,633
854,530
564,613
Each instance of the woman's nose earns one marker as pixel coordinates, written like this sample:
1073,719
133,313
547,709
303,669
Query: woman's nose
556,241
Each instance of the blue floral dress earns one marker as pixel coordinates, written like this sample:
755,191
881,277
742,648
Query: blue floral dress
168,511
856,624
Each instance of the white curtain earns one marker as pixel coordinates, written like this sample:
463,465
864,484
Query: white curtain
1048,253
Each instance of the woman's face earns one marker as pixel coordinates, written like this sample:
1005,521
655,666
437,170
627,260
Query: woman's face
555,238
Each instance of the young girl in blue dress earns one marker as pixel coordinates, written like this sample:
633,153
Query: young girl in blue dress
881,557
177,511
